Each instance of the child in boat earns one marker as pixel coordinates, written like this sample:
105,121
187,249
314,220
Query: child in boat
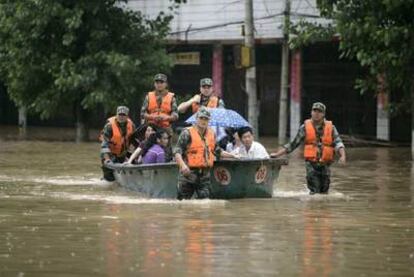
154,150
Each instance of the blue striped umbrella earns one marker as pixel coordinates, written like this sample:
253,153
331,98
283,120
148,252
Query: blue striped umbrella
223,118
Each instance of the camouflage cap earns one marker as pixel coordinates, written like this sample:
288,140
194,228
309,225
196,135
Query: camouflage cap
122,110
319,106
160,77
206,82
203,112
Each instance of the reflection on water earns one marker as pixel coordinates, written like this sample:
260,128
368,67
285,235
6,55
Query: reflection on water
317,243
57,217
412,182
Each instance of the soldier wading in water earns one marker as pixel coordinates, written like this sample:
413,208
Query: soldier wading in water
321,141
195,152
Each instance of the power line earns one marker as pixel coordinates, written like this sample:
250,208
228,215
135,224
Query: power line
310,5
223,25
229,4
266,7
298,5
305,15
216,26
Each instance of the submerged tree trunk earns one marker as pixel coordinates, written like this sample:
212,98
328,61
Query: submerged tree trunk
412,119
82,130
22,122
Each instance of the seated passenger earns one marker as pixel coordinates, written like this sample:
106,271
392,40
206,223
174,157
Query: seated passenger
235,144
249,148
154,150
140,137
231,141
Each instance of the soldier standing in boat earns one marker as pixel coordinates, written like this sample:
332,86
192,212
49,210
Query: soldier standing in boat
205,98
160,109
321,140
195,152
160,106
116,137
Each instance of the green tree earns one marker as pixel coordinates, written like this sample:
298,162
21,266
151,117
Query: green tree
379,34
79,53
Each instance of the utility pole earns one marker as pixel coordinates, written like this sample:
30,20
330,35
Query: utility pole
252,113
284,80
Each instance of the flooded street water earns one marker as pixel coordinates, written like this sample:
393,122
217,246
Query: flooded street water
58,218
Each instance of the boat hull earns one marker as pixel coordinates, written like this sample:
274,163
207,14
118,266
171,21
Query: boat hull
230,179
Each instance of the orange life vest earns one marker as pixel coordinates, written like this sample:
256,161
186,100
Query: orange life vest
118,143
197,154
311,143
213,102
163,109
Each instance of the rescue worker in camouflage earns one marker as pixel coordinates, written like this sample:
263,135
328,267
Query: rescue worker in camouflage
160,109
205,98
116,137
195,153
160,105
321,140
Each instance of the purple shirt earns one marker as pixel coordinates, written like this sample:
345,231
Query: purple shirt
155,154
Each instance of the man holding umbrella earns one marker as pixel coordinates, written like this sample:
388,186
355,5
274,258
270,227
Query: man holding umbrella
205,98
195,152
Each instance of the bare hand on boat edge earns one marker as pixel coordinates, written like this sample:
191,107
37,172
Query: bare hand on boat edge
108,162
233,157
281,152
185,170
342,160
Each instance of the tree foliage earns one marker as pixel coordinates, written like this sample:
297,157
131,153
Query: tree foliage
379,34
55,53
305,33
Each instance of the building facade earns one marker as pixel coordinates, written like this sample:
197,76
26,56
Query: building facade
205,41
212,30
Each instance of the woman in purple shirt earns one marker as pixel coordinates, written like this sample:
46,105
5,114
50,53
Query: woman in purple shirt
153,151
138,140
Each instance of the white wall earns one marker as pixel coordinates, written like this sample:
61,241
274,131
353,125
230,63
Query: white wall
210,14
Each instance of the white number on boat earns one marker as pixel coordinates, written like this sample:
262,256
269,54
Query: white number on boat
261,174
222,175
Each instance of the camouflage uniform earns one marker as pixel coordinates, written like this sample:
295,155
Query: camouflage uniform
204,101
199,179
174,110
317,174
106,141
170,131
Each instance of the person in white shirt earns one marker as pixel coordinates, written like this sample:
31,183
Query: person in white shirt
249,148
